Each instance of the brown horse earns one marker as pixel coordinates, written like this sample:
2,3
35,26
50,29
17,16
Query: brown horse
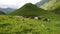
45,19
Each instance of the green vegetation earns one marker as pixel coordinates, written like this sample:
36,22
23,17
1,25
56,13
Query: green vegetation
16,25
13,23
50,5
28,10
57,5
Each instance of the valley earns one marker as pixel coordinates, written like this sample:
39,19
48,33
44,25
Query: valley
31,18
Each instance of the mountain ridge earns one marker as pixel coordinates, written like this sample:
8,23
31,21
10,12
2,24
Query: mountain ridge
51,5
28,9
7,10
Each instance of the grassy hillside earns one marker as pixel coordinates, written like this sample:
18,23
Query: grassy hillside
40,3
50,5
57,5
16,25
28,10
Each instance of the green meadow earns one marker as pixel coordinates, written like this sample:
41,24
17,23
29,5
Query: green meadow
16,25
12,24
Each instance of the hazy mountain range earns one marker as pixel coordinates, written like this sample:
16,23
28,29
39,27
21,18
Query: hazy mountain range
7,10
43,4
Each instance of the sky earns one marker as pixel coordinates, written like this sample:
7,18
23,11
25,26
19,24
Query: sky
16,3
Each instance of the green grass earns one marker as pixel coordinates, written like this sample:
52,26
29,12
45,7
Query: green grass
16,25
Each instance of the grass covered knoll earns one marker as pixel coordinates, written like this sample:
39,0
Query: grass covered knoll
28,9
16,25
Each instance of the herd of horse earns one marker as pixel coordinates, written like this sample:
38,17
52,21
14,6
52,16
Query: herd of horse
35,17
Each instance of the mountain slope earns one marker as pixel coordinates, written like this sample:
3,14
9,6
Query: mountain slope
7,10
51,5
28,10
2,13
42,2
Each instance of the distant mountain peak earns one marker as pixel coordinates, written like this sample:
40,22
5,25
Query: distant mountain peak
28,9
